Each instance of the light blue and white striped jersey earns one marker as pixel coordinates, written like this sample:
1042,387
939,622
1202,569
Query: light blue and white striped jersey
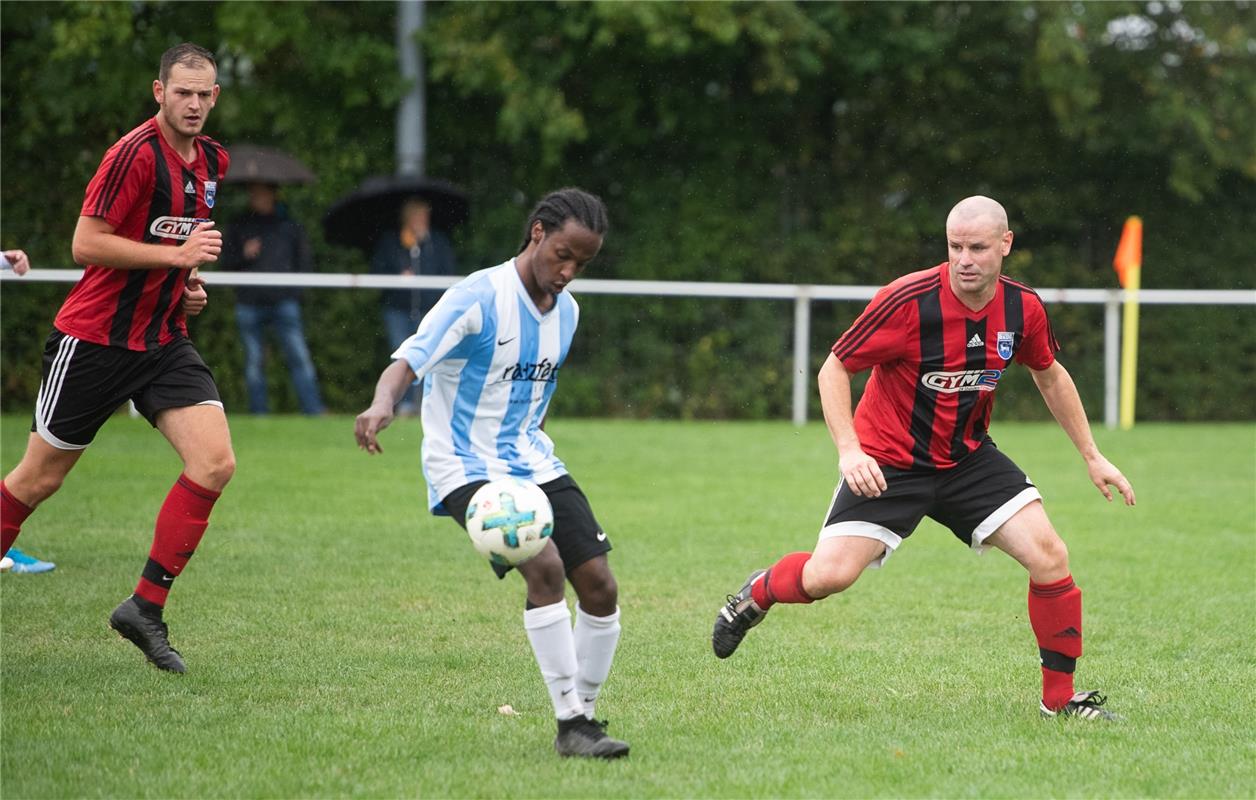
488,361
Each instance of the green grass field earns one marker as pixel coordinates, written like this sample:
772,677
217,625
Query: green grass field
341,642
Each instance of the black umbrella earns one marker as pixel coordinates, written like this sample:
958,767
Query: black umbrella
358,218
253,164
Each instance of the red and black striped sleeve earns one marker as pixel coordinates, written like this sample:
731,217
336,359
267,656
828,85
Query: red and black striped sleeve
125,174
883,330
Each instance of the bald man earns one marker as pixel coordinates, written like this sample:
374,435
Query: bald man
937,342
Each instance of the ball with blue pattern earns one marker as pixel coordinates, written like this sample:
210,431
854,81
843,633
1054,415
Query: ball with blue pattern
509,520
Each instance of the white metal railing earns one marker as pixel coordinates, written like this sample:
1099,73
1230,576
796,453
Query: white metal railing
802,295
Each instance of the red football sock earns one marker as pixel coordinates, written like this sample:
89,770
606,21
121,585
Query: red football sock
180,524
13,513
782,583
1055,612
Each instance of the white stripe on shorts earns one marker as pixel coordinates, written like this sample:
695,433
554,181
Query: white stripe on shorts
50,393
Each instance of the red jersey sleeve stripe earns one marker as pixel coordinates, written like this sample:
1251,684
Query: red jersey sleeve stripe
875,315
873,319
125,151
121,166
115,167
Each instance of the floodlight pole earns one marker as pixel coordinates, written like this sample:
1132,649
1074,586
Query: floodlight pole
412,113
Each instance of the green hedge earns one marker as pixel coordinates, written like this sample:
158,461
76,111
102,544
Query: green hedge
776,142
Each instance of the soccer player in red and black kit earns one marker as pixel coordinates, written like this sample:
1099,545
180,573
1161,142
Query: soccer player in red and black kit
938,342
122,335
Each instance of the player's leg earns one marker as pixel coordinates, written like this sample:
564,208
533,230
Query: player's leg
82,385
1055,609
546,619
201,437
583,546
858,532
182,402
597,628
547,622
37,477
989,502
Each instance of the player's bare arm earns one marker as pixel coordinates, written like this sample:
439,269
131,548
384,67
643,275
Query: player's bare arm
1060,393
96,243
860,471
389,389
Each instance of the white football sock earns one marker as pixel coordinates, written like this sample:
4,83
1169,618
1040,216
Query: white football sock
596,639
549,631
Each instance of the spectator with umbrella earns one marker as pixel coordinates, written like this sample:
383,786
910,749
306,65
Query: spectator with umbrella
265,239
414,248
402,222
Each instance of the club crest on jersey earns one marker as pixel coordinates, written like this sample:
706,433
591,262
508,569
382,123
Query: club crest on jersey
211,189
1005,341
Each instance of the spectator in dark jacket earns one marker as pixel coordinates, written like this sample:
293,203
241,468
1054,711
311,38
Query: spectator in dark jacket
414,248
265,240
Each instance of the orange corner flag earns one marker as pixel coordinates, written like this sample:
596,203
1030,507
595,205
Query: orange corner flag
1129,253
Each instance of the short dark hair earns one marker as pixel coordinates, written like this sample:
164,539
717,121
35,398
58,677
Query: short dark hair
557,207
187,54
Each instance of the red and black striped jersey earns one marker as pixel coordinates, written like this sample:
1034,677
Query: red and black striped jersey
936,364
148,193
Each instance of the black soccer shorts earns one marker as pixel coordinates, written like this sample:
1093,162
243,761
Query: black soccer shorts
973,498
577,534
84,384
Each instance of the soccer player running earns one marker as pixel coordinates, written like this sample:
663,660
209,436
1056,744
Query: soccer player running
488,356
121,335
938,341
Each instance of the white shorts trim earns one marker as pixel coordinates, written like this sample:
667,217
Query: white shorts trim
47,436
867,530
1001,515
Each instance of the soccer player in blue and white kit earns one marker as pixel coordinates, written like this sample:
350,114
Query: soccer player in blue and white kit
488,356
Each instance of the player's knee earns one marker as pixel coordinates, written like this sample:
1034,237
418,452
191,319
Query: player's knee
37,488
599,595
1053,556
544,574
214,470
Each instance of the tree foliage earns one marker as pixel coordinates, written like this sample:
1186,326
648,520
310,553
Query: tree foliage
774,142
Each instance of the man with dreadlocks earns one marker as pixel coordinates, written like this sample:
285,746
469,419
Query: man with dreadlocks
488,356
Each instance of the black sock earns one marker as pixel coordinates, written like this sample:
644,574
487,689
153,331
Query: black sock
147,606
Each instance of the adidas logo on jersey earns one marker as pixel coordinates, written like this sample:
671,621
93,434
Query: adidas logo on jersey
976,341
189,188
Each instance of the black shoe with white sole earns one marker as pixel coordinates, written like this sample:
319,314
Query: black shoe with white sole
738,615
1084,705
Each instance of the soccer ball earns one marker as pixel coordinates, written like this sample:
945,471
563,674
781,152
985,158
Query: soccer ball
509,520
